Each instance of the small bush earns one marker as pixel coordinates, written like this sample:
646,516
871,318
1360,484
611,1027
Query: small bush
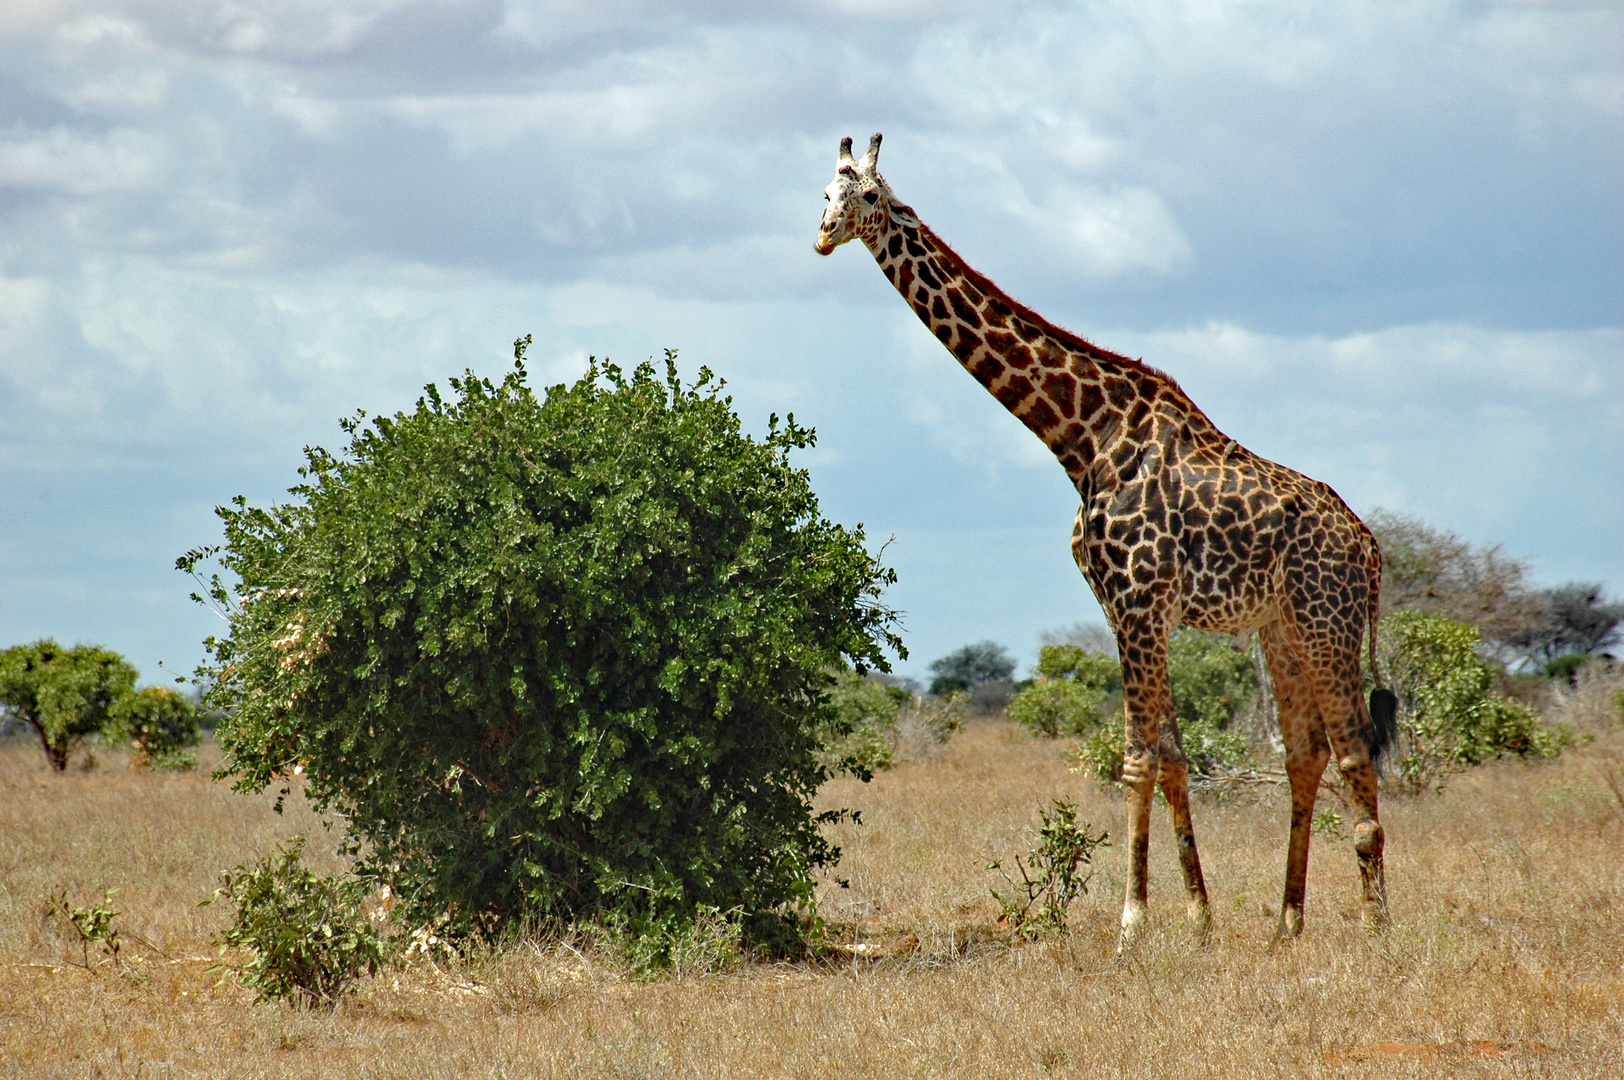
91,925
307,936
1450,717
876,725
1100,754
1055,707
860,735
709,943
1208,751
1036,898
162,727
1069,694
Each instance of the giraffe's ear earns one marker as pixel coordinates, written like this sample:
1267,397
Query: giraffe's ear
871,160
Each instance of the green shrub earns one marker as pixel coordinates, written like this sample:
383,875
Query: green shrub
1212,683
860,735
1036,898
1055,707
554,657
162,726
1067,697
1080,666
1101,753
1450,716
307,937
705,942
65,695
91,925
1207,750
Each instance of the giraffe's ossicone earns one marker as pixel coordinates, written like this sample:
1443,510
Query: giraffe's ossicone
1179,525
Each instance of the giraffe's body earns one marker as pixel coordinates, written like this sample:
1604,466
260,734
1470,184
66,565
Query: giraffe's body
1179,524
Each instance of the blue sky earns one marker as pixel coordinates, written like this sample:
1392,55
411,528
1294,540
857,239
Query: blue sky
1380,242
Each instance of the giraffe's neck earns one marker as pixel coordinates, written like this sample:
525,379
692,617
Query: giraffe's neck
1085,403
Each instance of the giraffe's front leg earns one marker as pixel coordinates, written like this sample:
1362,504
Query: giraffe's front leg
1148,697
1174,776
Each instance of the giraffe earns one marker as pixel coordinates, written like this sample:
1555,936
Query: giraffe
1178,525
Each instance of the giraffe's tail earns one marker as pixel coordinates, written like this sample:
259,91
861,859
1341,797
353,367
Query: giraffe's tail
1383,702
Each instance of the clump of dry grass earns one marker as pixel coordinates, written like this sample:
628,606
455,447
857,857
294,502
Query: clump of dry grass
1506,957
1594,704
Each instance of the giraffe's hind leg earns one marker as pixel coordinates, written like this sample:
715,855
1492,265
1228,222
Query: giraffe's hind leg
1347,723
1307,752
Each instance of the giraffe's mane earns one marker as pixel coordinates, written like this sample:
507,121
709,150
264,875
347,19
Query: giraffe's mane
1059,333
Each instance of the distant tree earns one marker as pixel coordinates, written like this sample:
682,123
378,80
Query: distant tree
1089,637
1578,623
970,667
64,694
1438,572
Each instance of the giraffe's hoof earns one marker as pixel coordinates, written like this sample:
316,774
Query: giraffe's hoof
1133,927
1290,925
1200,917
1373,916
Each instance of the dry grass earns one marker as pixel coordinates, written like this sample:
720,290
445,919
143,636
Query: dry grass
1506,958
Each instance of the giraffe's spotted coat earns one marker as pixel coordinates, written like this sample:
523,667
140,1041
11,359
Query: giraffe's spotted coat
1178,525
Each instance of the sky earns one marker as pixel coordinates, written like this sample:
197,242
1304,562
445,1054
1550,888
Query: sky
1382,243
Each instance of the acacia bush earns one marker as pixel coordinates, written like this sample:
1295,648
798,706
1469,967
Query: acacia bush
551,657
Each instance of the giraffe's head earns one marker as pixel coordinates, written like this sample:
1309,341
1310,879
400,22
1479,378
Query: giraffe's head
858,199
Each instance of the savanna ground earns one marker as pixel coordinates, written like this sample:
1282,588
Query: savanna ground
1506,955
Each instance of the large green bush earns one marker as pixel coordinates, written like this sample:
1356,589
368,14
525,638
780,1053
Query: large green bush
551,657
65,695
1450,716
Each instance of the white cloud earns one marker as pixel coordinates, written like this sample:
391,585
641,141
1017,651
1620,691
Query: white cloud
122,160
1387,228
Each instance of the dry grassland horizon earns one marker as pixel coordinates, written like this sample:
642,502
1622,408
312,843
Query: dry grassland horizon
1505,958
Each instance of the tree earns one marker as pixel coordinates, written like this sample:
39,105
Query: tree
970,667
551,658
1436,571
1579,623
64,694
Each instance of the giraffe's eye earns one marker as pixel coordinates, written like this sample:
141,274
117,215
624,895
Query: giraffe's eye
825,196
